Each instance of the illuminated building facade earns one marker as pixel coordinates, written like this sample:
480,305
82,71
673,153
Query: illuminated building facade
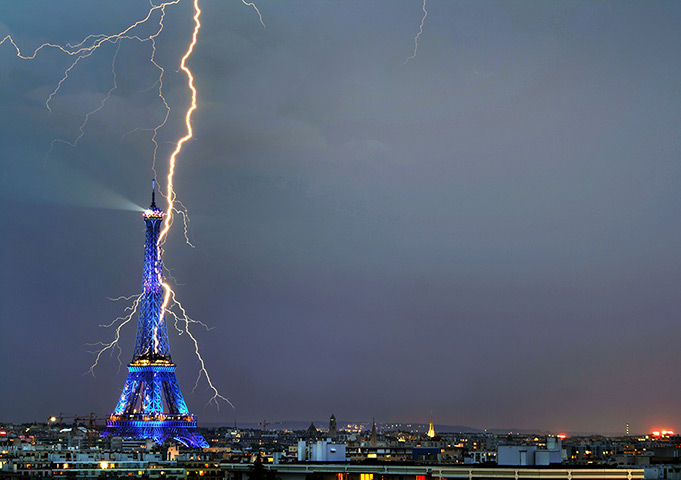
151,404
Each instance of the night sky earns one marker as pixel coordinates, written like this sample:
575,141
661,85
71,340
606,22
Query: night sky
491,232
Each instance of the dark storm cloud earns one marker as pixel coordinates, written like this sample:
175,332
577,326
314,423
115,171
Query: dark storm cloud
488,232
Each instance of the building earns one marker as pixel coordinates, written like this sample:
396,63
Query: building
321,451
344,471
526,455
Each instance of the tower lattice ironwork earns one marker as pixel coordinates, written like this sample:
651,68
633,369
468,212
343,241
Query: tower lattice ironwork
151,404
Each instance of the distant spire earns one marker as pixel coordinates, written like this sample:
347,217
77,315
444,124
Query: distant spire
373,432
153,195
311,431
333,428
431,428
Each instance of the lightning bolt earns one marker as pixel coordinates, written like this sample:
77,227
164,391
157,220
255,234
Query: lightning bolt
416,38
182,211
172,198
183,317
251,4
117,39
92,112
118,323
170,193
82,50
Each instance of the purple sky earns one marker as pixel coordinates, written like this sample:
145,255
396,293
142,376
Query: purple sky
490,232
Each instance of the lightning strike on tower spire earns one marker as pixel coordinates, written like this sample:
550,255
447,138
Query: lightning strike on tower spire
170,193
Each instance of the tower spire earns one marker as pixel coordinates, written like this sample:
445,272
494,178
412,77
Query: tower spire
153,195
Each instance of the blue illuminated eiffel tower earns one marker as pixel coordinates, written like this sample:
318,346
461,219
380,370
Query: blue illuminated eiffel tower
151,405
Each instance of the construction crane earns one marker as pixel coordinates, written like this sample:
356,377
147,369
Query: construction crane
92,426
61,417
91,419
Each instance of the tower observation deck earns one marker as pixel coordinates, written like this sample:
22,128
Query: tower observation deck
151,404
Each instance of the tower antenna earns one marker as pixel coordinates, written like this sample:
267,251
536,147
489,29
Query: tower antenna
153,195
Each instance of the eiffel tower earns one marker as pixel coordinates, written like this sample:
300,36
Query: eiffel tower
151,405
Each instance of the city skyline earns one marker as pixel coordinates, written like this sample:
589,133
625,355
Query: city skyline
488,232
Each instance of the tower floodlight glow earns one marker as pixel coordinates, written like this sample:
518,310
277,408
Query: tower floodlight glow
151,404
